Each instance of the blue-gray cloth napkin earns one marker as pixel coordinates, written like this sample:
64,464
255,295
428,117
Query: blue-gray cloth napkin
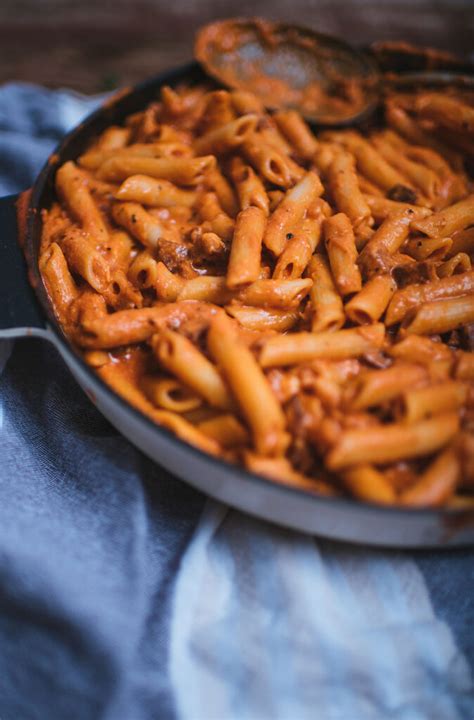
126,595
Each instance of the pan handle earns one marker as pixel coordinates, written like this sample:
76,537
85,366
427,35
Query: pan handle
20,313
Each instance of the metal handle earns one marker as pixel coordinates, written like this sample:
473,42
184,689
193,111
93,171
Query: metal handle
20,313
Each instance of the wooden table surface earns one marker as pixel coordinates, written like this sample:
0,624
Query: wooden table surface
98,45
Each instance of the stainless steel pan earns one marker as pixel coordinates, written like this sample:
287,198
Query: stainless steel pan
25,311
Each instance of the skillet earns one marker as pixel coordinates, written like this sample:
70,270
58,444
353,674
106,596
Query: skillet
25,311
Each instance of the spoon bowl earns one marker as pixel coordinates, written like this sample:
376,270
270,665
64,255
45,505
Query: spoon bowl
286,66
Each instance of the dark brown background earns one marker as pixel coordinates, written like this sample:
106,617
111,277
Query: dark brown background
97,45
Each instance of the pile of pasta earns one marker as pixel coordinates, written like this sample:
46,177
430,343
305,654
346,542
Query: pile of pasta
301,304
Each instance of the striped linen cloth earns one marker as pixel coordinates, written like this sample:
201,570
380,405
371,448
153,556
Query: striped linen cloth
126,595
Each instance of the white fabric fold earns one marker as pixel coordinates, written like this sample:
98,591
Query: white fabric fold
271,624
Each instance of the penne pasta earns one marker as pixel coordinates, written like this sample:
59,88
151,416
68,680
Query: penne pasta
440,316
301,347
250,188
437,484
245,252
259,318
249,387
367,483
342,253
182,171
420,403
327,312
169,394
226,430
183,258
226,137
344,186
375,387
370,303
155,193
447,221
291,211
414,295
182,359
390,443
72,187
297,133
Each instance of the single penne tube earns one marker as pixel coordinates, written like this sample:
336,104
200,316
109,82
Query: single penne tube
423,248
370,303
304,346
342,253
284,294
392,443
367,483
84,258
344,186
226,137
182,171
298,251
425,402
141,224
447,111
155,193
376,387
381,207
182,359
422,177
413,348
246,248
440,316
93,159
250,188
58,280
281,471
297,133
369,161
327,312
262,319
206,288
72,188
415,295
113,138
249,386
271,164
437,484
447,221
291,211
456,265
225,430
224,192
464,366
170,394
